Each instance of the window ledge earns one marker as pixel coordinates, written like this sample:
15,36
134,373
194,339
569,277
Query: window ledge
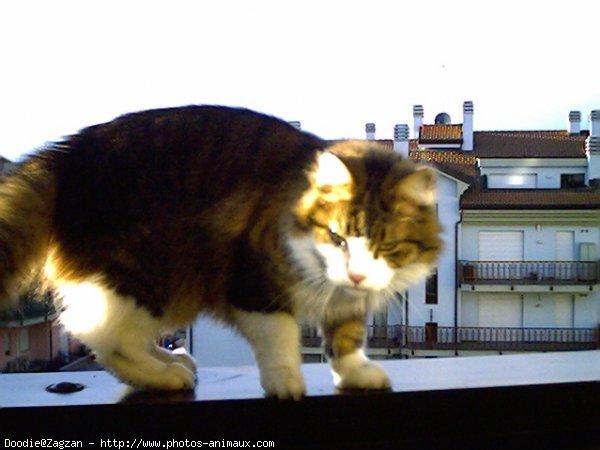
492,400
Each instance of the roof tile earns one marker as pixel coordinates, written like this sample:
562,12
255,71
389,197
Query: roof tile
478,198
440,134
540,144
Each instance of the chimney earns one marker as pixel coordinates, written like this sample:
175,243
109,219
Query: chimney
296,124
592,147
467,127
401,139
574,122
370,130
595,123
418,120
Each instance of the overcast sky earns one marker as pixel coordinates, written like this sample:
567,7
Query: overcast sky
333,65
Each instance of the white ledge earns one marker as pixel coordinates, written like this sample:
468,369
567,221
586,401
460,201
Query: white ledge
232,383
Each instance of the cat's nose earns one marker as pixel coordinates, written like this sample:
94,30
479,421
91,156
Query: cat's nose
356,278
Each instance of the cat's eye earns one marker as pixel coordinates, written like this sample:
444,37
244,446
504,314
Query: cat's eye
337,240
408,220
387,246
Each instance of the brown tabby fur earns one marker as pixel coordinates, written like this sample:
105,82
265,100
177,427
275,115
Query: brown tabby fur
187,210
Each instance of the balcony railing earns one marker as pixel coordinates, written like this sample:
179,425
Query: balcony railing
435,337
501,339
529,272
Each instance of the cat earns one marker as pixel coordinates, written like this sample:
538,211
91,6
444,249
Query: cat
143,223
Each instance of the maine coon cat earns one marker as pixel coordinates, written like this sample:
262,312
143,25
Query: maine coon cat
142,223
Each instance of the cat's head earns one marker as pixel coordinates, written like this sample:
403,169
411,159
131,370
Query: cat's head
369,221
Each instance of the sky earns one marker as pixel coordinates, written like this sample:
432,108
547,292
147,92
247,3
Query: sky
333,65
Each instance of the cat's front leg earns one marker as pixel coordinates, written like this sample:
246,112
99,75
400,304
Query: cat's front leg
344,341
275,339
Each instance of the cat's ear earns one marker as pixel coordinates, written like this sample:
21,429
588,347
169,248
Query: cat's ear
331,178
330,171
419,186
330,181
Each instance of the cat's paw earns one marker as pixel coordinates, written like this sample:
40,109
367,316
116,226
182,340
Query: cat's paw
369,375
176,377
185,359
178,355
283,383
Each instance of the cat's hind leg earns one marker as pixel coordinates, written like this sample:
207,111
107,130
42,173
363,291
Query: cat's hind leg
123,335
344,341
275,339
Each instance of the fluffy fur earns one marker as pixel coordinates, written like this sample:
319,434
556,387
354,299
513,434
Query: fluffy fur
142,223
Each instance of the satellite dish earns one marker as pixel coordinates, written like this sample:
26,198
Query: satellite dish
443,119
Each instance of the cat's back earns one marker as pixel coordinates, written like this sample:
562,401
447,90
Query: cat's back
216,143
194,155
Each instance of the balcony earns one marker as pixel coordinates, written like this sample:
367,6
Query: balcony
434,337
30,312
552,273
501,339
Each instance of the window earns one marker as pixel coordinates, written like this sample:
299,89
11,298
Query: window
380,318
572,180
431,289
24,339
500,245
512,181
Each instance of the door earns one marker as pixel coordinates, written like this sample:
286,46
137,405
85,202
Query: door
564,254
565,246
564,310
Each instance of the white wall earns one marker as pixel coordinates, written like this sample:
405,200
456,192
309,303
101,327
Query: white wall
469,309
530,310
216,345
539,311
539,244
587,311
395,313
443,312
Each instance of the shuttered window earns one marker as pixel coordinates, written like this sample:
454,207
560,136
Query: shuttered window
500,246
512,181
500,310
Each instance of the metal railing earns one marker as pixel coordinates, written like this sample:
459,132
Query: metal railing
528,272
501,338
436,337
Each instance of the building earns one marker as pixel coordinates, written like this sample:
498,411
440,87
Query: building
31,338
521,218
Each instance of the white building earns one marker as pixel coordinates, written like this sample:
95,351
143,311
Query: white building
524,273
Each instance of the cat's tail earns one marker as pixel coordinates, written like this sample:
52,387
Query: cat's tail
26,213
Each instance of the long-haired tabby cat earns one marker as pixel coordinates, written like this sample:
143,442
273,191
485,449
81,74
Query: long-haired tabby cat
142,223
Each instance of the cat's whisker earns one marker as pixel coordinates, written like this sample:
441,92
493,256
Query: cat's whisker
306,295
